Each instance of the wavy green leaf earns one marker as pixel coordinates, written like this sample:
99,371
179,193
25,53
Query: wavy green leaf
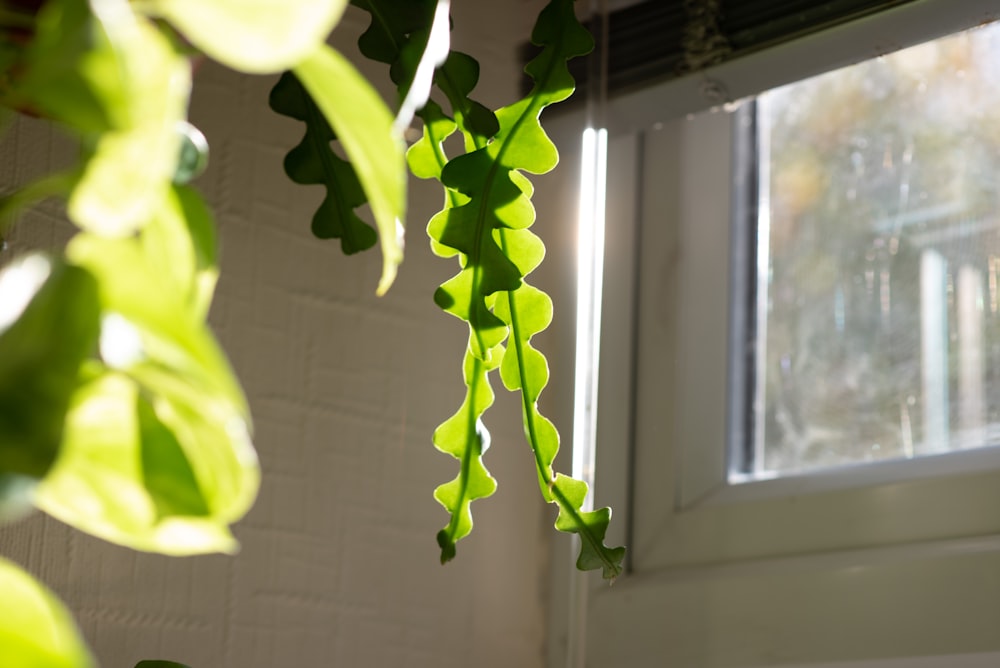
464,436
313,161
457,78
420,55
569,494
427,158
527,310
399,35
36,630
365,129
490,231
411,36
254,36
393,21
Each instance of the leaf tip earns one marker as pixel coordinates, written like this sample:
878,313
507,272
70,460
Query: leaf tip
447,546
392,257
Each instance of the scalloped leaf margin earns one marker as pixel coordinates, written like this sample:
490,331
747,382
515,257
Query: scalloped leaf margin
490,232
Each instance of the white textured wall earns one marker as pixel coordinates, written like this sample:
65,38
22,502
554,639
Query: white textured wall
339,566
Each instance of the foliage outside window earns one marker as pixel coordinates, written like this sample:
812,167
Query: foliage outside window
881,334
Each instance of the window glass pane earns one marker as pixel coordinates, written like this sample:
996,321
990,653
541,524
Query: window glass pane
878,312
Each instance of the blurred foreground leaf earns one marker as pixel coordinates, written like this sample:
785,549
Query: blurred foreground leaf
149,474
36,630
156,453
255,36
48,326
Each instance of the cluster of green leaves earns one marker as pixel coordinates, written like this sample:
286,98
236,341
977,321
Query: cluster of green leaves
119,413
485,224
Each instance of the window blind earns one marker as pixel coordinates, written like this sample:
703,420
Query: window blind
658,40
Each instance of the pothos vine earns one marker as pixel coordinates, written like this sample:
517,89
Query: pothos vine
121,416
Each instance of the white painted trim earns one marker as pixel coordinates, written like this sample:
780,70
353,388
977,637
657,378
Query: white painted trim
864,474
878,608
988,660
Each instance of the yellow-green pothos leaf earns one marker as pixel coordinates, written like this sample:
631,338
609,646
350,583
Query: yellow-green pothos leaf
129,169
69,71
158,322
48,326
156,454
143,468
364,126
115,80
180,245
36,630
254,36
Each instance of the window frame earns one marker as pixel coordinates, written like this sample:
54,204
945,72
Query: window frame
731,575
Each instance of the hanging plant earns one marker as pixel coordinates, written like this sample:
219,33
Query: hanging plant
122,417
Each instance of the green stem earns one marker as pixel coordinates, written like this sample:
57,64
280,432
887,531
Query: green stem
544,472
478,370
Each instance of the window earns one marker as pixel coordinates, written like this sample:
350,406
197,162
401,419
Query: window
884,565
877,260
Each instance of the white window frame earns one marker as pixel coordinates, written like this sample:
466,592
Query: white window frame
875,566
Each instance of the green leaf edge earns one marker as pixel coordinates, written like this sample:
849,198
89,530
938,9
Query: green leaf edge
563,37
365,129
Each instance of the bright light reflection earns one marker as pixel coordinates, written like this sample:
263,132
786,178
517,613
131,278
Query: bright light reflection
590,278
19,283
121,345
